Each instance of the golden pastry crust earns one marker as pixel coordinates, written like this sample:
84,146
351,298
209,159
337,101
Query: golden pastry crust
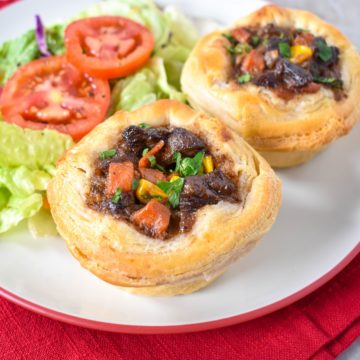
116,252
304,124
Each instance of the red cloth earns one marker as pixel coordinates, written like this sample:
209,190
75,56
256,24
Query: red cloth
318,327
4,3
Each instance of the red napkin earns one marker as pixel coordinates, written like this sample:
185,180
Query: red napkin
4,3
319,327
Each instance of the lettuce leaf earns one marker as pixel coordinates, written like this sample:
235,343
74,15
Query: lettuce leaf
144,87
27,163
14,53
33,149
17,209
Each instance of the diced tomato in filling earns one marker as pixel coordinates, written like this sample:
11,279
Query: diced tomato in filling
121,175
154,218
241,34
253,63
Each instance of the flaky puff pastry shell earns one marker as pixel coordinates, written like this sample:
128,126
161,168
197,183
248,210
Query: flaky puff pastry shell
117,253
286,133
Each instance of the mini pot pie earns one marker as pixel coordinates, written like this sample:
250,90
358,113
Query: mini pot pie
162,200
287,81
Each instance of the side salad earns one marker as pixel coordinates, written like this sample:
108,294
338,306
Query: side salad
58,82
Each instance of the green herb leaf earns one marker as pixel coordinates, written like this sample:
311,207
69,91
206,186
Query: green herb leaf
191,166
302,30
117,196
173,190
152,160
242,48
336,83
229,37
135,184
107,154
255,40
145,151
324,51
284,49
244,78
159,167
177,158
144,126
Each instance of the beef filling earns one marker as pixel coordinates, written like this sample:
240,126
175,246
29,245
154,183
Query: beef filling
289,61
171,174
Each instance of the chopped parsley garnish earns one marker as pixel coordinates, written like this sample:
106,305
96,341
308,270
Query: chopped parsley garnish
159,167
324,52
188,166
152,160
284,49
172,189
255,40
242,49
336,83
244,78
191,166
232,40
107,154
134,184
177,158
117,196
144,126
302,30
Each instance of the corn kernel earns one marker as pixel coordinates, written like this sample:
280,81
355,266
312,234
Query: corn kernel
208,164
300,53
174,178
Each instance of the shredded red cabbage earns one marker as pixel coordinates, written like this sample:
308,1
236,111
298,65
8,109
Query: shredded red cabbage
40,37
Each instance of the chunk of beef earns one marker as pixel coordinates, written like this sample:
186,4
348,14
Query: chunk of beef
269,79
196,194
220,183
186,220
135,138
154,135
273,43
182,141
271,57
271,30
199,191
125,207
293,75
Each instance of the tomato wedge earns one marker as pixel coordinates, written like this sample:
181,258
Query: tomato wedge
51,93
108,46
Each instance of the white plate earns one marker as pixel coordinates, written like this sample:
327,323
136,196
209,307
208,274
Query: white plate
316,234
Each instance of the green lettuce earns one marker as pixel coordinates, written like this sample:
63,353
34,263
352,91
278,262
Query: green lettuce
14,53
27,162
174,34
144,87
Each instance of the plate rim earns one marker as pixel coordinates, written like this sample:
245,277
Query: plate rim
184,328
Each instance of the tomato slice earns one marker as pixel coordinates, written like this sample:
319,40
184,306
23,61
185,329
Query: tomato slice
108,46
51,93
